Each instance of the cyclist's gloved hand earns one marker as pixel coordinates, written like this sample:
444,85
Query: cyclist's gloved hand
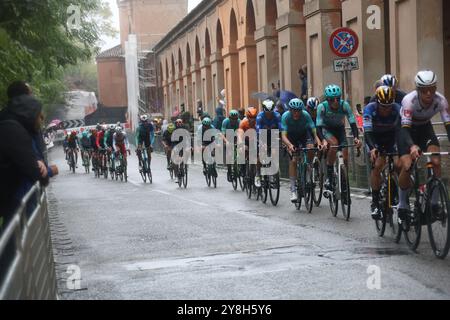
374,155
415,152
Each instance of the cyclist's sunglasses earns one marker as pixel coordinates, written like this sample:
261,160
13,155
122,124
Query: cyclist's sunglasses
337,99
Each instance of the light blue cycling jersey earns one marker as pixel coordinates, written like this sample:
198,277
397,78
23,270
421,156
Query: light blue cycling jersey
298,127
328,118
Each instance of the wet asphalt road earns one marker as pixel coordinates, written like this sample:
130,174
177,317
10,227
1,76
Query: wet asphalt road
140,241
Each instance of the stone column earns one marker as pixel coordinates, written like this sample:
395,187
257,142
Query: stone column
232,81
322,18
248,71
416,39
187,85
371,52
267,58
196,86
207,97
291,29
217,76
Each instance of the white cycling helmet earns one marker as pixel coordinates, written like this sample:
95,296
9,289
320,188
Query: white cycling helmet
268,105
119,129
426,78
144,117
112,127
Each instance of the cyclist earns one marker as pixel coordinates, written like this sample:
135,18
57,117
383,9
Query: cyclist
298,131
66,137
268,119
73,144
93,139
381,124
85,143
167,142
330,124
392,82
145,136
120,142
311,107
205,126
101,143
248,123
417,133
179,124
230,123
109,135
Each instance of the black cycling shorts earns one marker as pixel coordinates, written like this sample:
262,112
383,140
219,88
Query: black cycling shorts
422,136
386,142
339,133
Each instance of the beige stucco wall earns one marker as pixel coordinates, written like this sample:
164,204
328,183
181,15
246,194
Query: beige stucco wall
112,87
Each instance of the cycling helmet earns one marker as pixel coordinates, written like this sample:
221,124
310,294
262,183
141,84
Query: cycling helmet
426,79
251,113
144,117
98,127
179,123
205,115
171,128
389,80
385,95
85,134
74,132
333,91
112,127
268,105
206,122
104,127
313,103
234,114
296,104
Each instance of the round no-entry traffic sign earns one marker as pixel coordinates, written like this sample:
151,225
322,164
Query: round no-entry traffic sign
344,42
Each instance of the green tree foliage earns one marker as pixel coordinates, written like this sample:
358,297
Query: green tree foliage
37,44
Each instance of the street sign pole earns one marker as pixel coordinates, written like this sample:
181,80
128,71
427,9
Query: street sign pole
344,43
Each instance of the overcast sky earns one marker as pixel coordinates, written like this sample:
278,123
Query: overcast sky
112,42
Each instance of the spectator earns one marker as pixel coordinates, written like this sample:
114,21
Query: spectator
164,126
199,108
218,120
303,74
22,160
241,114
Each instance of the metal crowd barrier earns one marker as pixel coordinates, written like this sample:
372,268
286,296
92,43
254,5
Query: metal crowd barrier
27,268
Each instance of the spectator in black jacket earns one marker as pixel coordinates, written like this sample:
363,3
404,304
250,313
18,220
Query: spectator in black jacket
22,161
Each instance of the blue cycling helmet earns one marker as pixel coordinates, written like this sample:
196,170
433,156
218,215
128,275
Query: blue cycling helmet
85,134
234,114
296,104
313,103
333,91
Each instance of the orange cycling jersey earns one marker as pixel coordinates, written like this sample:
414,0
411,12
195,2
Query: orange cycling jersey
245,125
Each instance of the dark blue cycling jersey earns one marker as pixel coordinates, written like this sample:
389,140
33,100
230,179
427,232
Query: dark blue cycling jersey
374,122
262,122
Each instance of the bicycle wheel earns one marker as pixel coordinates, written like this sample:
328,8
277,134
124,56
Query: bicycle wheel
317,188
345,193
275,190
412,227
171,173
214,176
179,174
334,201
264,189
143,171
300,187
384,206
150,176
185,176
234,177
392,212
438,222
309,190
